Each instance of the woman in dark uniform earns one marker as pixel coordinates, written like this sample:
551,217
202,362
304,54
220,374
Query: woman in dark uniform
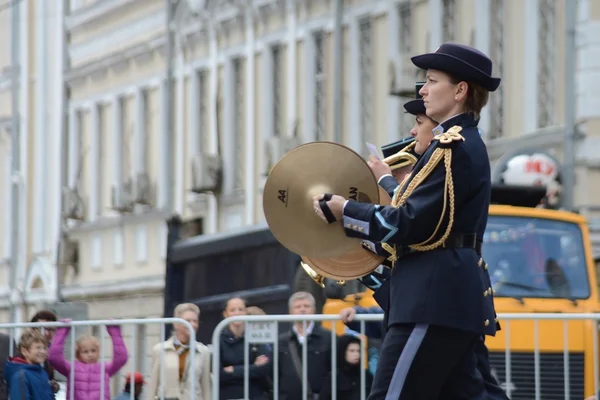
440,301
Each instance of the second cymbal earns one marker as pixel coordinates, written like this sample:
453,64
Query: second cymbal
356,263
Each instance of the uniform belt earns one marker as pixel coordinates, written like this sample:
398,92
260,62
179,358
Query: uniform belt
456,241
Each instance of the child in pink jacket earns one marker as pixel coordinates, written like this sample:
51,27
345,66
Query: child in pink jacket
88,367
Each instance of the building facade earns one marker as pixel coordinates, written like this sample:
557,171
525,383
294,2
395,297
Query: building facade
33,48
111,150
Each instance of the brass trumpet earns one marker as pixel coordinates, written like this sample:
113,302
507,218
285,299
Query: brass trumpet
320,280
403,158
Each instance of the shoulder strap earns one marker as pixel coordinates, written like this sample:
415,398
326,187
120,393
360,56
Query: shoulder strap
297,363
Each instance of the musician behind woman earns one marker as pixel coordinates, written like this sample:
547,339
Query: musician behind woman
440,300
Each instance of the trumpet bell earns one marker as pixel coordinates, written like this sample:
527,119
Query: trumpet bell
319,279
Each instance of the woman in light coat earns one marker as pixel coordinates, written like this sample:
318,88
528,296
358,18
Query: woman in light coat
176,383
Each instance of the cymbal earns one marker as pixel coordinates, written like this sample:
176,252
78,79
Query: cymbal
307,170
357,263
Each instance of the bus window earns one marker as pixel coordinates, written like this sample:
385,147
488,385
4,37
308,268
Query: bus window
531,257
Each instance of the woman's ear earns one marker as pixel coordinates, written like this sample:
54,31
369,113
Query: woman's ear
462,88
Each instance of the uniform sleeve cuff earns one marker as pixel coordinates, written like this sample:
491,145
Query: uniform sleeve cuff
383,176
356,219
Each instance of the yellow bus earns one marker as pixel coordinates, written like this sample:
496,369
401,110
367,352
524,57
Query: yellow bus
540,261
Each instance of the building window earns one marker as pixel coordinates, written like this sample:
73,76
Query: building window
449,20
238,134
128,118
366,79
118,249
146,122
276,53
100,174
320,85
405,17
497,55
96,252
141,244
202,110
405,39
546,62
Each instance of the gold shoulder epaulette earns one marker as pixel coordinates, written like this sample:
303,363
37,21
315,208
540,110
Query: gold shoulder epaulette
451,135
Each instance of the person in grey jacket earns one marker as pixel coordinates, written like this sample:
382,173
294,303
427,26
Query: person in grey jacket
5,352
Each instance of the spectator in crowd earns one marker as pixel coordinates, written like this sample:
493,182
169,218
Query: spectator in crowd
176,361
348,372
253,310
138,385
48,316
89,372
231,378
374,330
268,386
318,348
27,379
7,345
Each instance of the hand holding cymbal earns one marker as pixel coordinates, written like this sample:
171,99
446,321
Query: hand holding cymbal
336,205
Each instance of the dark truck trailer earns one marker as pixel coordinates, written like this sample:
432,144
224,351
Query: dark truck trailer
209,269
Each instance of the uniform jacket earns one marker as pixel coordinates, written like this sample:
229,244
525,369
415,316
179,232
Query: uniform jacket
446,286
232,354
88,377
318,362
27,381
389,184
173,388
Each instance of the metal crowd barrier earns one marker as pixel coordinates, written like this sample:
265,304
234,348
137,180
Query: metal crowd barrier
505,320
265,329
131,350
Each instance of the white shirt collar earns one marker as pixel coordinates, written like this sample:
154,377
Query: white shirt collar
307,332
438,130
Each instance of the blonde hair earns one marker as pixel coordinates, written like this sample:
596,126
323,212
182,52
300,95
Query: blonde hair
83,339
253,310
30,337
184,307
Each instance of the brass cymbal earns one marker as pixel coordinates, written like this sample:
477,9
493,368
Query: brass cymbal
357,263
307,170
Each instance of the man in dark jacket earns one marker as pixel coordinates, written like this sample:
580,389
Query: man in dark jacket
318,352
7,345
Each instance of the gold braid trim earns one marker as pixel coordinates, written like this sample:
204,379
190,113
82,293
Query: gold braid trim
400,196
392,250
448,196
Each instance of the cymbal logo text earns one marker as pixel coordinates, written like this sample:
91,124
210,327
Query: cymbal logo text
354,194
283,196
